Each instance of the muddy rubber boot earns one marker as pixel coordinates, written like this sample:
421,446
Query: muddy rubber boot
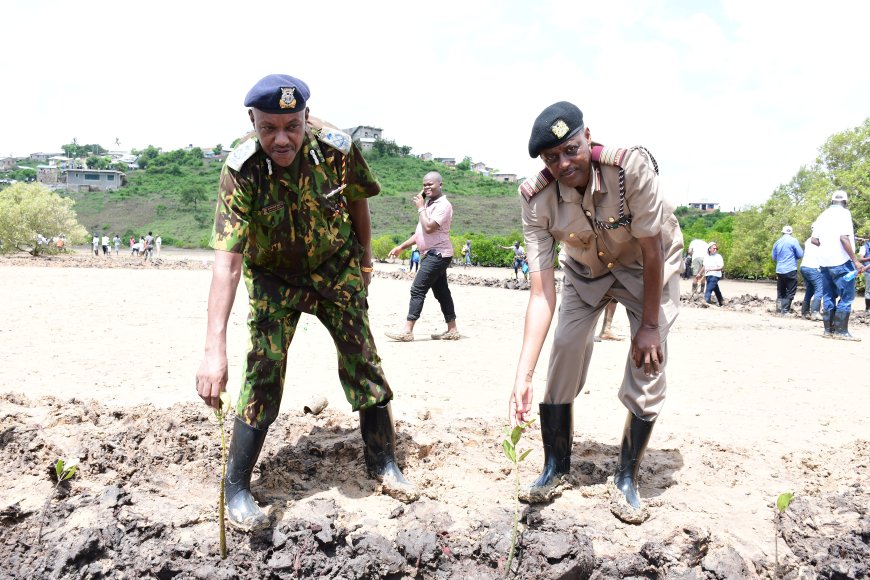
805,309
557,433
379,438
786,307
635,438
778,306
826,320
840,326
867,305
245,446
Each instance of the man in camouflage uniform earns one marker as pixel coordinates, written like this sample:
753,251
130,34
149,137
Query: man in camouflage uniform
292,216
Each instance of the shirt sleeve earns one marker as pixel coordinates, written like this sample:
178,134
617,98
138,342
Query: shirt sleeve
442,214
643,199
231,218
540,244
361,182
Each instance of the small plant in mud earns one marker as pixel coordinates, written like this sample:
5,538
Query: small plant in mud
64,470
782,503
226,405
510,450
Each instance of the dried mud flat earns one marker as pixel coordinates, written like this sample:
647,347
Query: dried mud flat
144,503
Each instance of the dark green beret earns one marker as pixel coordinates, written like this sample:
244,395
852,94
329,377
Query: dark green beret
555,125
278,94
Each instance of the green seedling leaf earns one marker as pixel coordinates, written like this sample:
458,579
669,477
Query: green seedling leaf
525,453
69,474
516,434
506,445
783,501
58,468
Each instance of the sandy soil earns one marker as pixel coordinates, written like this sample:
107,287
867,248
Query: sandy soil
99,356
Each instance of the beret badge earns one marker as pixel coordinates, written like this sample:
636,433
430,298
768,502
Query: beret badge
559,128
288,100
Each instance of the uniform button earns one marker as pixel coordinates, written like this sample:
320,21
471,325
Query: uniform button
610,264
600,253
611,219
589,213
571,235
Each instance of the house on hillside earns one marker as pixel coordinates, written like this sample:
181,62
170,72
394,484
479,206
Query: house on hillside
704,205
8,163
448,161
364,136
94,179
426,156
480,167
505,177
47,174
61,162
44,157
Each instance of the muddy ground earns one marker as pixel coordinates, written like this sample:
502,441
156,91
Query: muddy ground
144,501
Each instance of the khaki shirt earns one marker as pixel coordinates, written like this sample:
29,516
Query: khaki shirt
580,220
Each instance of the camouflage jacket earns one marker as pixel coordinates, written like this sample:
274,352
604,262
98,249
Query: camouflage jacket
293,223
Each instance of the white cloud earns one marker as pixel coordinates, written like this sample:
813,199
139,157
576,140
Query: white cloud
732,97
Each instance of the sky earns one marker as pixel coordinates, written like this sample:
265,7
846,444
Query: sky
732,97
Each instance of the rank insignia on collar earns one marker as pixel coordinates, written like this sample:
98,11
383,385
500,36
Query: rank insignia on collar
288,100
559,128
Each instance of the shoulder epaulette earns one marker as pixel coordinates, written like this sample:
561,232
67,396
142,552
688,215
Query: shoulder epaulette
330,135
242,153
616,155
609,155
533,185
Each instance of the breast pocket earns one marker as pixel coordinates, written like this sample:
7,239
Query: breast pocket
572,226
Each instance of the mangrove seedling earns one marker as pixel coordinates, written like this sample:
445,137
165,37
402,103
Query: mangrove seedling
226,405
64,470
510,450
782,503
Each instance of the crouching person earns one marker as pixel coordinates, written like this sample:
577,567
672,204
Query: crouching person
292,218
623,243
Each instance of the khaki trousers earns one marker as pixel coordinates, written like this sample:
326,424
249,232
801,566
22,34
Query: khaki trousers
572,344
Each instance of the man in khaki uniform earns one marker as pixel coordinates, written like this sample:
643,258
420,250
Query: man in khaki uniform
622,242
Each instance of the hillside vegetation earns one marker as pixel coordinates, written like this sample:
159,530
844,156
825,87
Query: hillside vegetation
176,199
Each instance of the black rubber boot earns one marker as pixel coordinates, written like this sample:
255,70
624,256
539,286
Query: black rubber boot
245,446
786,307
840,326
379,437
557,433
634,441
867,305
779,302
805,309
826,320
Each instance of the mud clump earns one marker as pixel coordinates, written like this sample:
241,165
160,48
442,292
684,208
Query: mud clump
143,504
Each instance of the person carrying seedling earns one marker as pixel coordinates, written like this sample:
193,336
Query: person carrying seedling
622,242
292,217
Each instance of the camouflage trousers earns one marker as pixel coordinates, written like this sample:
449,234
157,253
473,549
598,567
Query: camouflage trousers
271,331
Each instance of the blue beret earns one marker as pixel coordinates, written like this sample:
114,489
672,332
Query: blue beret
555,125
278,94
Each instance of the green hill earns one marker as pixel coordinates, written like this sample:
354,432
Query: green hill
174,196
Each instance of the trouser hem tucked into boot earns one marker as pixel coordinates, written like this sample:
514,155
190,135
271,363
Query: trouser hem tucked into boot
245,446
379,439
840,326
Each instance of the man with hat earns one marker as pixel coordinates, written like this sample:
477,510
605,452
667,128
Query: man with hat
605,206
786,253
834,234
292,217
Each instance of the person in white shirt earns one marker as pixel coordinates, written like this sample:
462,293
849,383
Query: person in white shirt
712,269
834,235
812,276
